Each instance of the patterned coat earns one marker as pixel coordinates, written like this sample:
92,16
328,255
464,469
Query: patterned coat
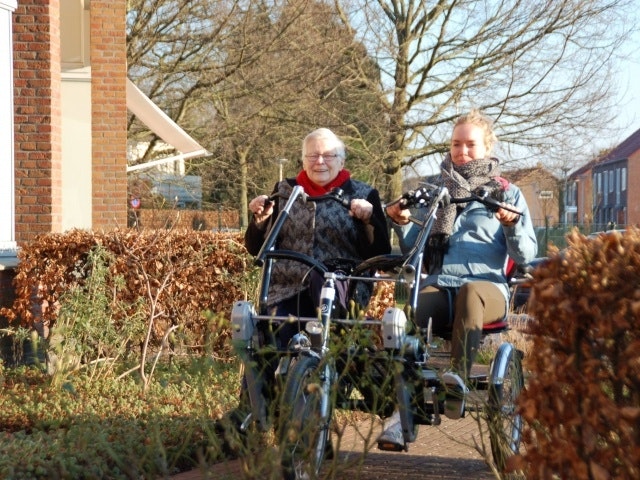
323,230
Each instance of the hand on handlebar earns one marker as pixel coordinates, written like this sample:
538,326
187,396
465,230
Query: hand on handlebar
398,214
261,207
361,209
508,218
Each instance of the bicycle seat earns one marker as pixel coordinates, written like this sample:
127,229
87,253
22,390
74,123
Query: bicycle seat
495,327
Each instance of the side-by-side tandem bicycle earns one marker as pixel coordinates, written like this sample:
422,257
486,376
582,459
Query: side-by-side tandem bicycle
343,360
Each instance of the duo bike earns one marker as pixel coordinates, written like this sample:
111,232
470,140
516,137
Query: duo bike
342,360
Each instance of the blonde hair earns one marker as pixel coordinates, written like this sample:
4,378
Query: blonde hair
475,117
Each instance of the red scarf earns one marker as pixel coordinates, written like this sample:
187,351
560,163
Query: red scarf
316,190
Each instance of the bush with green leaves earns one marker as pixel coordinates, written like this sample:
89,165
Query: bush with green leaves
108,428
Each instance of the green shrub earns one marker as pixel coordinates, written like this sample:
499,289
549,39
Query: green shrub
106,428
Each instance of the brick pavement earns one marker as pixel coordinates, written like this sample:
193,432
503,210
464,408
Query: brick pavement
443,452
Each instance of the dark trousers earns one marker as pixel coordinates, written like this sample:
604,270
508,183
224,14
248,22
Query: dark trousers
305,304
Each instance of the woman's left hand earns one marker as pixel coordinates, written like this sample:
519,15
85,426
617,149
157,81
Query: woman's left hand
361,209
506,217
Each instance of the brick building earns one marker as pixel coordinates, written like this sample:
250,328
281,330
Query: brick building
70,116
64,103
601,190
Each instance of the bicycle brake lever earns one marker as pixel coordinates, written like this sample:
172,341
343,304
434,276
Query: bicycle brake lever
494,205
338,193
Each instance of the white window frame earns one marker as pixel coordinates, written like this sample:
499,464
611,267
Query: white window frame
8,246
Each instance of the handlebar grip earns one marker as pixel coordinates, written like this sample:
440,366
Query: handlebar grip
338,195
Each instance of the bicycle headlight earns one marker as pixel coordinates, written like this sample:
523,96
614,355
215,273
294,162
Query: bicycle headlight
242,321
315,331
394,326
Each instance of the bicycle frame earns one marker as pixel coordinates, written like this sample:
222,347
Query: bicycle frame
247,325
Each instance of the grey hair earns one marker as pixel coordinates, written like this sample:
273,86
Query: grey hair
332,139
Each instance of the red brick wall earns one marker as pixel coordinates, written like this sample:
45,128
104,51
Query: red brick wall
36,27
109,112
633,193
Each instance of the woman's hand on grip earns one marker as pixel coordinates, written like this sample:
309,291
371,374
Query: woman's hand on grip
261,207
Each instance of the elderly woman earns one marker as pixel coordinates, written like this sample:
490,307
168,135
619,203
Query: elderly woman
323,230
467,255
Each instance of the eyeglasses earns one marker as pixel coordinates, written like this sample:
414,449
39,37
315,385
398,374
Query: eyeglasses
328,157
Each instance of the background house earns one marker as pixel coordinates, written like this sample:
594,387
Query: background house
601,190
542,190
68,125
65,106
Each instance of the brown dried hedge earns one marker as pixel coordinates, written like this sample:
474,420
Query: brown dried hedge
182,276
187,273
582,401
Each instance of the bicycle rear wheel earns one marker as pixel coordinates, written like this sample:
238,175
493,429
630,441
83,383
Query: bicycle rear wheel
305,419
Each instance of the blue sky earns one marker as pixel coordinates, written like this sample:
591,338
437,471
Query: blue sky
629,84
631,107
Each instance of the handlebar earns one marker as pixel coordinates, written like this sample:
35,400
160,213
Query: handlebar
424,196
336,194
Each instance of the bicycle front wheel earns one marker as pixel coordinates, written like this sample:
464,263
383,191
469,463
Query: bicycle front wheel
506,381
306,412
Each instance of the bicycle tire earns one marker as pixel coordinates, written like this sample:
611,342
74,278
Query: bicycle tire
506,381
304,430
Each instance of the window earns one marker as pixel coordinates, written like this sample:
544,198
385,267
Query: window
623,180
622,216
610,180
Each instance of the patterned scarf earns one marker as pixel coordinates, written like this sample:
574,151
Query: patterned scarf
460,180
316,190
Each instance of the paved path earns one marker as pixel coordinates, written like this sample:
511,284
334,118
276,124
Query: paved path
443,452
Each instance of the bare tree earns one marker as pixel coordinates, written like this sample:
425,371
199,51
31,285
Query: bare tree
542,69
250,79
301,81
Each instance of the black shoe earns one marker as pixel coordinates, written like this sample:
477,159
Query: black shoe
328,450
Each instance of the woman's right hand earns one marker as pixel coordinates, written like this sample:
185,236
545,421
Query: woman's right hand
261,208
397,214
